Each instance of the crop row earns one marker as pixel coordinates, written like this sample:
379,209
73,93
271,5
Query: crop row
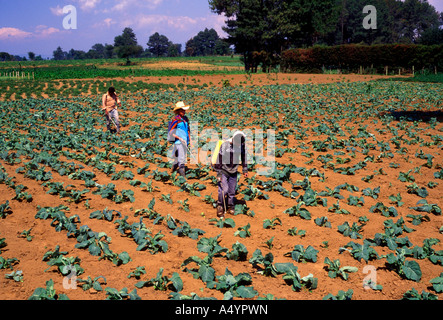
359,175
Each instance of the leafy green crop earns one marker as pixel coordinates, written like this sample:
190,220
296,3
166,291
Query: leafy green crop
233,286
335,270
114,294
342,295
47,293
407,269
162,283
300,254
413,294
359,252
293,278
437,283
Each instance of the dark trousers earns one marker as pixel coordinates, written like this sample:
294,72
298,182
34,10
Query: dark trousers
226,188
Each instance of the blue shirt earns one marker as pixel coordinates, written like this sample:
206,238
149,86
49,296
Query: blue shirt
182,132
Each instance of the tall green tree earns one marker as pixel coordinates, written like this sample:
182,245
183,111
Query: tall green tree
261,29
418,16
206,43
126,46
158,44
397,22
59,54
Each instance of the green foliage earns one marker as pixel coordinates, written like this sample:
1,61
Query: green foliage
238,253
114,294
350,231
352,57
297,210
5,209
342,295
90,283
300,254
104,214
413,294
47,293
263,264
233,286
163,283
334,269
293,278
437,283
184,230
407,269
359,252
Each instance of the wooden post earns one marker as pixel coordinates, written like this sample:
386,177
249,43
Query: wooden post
413,70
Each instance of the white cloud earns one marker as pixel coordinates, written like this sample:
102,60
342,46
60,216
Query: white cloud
13,34
88,5
57,11
40,32
106,23
125,4
180,23
44,31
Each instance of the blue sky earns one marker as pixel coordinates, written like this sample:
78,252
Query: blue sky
31,25
37,25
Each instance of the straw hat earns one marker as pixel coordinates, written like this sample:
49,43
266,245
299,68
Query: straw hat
180,105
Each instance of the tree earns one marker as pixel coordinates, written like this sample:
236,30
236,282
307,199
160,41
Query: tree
397,22
174,49
76,55
109,51
418,16
59,54
31,55
158,44
206,43
261,29
4,56
222,48
126,45
432,37
97,51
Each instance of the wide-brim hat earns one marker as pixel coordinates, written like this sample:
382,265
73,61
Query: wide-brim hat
181,106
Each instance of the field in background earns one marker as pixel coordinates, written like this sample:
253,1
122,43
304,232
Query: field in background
356,197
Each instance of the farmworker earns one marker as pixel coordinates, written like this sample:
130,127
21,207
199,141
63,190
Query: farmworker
226,164
179,132
110,104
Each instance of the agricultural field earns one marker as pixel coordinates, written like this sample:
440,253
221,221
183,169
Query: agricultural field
352,211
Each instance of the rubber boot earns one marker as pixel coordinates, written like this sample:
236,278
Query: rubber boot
181,171
220,212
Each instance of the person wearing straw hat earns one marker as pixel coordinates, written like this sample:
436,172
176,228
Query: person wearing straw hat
231,153
180,132
110,104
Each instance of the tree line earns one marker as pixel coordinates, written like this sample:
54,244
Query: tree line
261,30
205,43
